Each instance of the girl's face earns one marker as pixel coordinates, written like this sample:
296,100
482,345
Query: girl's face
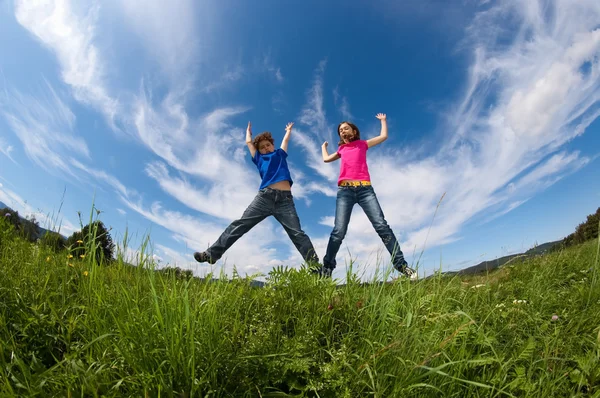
265,147
346,132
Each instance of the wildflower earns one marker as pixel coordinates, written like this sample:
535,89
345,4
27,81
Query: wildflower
359,304
82,255
500,305
70,256
79,241
477,286
85,273
554,318
70,265
519,301
329,307
48,259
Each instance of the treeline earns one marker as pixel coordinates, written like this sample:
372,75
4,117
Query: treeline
585,231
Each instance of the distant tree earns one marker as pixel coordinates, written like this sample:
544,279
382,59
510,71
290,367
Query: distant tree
178,272
83,241
30,228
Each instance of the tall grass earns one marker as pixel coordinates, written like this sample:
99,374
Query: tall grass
69,327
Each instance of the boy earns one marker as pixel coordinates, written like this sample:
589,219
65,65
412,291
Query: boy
274,198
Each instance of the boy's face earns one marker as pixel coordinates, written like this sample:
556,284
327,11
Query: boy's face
346,132
265,147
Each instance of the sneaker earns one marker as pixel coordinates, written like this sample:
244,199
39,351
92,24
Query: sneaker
322,271
410,273
203,258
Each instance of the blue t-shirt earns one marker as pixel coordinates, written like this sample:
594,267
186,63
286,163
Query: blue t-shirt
272,167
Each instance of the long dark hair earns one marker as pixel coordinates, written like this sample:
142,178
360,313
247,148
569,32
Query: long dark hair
353,127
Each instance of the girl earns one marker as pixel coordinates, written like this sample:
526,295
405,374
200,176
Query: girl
354,186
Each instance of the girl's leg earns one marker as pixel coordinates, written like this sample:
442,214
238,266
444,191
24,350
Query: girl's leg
346,199
368,201
286,214
260,208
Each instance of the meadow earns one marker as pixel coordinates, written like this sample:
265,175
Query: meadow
69,327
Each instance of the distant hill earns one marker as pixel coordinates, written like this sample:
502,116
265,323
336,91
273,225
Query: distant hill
42,230
486,266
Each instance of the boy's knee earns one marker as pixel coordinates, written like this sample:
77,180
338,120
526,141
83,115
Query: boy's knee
338,234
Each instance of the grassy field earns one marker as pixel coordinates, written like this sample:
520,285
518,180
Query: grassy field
70,328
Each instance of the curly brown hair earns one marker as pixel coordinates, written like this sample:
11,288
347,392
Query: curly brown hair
262,137
353,127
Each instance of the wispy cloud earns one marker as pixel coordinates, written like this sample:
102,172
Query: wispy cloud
44,125
342,104
225,200
313,114
69,35
6,149
269,66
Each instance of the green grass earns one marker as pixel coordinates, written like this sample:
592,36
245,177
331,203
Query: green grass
85,330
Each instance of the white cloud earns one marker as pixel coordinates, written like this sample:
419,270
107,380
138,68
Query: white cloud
313,152
313,115
342,104
121,211
273,70
69,33
44,124
6,149
226,199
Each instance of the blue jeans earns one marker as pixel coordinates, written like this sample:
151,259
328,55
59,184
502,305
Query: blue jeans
366,198
268,202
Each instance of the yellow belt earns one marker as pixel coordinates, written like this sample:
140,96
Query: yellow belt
354,183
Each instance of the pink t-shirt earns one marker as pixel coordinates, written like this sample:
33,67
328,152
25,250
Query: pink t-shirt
354,161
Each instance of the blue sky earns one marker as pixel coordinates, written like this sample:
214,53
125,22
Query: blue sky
142,107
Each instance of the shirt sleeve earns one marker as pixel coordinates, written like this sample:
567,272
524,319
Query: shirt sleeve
365,144
282,153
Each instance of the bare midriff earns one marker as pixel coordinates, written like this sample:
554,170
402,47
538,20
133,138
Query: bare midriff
281,185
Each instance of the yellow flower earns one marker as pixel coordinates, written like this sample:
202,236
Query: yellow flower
85,273
70,256
82,255
48,259
70,265
79,241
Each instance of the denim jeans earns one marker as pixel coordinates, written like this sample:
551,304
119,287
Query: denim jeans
268,202
366,198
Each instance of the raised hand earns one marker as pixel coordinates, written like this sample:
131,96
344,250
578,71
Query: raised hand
288,127
324,146
381,116
249,129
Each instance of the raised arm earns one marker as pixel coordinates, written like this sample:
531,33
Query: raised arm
384,131
326,156
249,143
286,137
